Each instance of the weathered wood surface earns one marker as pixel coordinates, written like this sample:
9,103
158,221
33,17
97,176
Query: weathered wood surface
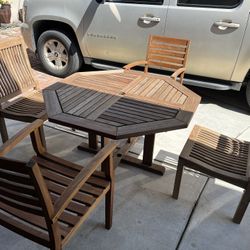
165,53
17,81
121,104
47,199
219,156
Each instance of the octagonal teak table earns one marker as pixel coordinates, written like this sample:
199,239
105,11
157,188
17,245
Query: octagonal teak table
120,104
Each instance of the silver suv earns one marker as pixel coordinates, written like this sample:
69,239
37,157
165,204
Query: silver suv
103,32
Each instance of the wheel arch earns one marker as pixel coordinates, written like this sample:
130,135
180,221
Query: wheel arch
246,85
54,63
43,25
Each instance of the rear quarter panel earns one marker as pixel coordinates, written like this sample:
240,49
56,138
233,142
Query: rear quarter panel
242,65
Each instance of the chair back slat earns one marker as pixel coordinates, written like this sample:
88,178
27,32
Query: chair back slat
15,70
168,53
17,187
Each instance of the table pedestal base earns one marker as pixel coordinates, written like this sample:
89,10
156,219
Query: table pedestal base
92,146
120,154
85,147
121,150
153,168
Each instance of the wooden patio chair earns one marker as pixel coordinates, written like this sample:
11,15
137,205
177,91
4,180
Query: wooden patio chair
218,156
20,98
47,199
167,53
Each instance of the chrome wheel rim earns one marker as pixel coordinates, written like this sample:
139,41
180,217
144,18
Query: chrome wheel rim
56,54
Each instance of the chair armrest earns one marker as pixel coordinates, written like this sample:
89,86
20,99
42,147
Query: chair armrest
22,134
80,179
136,63
177,73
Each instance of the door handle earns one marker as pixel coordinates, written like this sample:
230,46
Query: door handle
149,19
226,24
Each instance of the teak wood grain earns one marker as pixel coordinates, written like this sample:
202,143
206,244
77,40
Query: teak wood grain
120,104
20,98
165,53
218,156
47,199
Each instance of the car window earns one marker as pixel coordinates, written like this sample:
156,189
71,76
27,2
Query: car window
210,3
154,2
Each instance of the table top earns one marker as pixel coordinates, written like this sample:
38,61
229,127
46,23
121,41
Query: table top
120,104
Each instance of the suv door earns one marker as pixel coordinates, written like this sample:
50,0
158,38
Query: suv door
215,28
119,29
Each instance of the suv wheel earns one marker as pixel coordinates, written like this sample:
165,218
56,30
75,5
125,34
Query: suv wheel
58,53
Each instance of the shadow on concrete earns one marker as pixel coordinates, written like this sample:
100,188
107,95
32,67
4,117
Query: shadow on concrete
228,99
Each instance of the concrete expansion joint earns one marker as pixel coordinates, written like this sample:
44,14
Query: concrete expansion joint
191,215
242,132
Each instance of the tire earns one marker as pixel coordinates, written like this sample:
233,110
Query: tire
58,52
248,93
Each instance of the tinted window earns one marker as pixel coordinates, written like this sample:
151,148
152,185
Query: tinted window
210,3
155,2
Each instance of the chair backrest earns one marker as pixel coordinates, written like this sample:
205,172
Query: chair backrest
168,53
23,203
15,70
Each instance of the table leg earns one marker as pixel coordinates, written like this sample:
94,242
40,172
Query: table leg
92,146
122,148
148,149
104,142
121,153
3,130
147,161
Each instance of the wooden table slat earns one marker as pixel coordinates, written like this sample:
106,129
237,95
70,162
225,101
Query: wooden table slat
121,104
73,96
86,93
104,105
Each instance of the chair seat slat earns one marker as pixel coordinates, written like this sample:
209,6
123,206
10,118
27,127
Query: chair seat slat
16,80
218,156
62,180
29,197
74,207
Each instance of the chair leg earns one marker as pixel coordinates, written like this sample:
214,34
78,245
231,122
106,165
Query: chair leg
108,168
241,209
104,141
109,208
42,134
3,130
177,182
57,247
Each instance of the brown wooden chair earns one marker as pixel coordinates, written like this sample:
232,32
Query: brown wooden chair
47,199
218,156
20,98
167,53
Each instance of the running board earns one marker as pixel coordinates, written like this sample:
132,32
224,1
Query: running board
192,82
212,85
103,66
